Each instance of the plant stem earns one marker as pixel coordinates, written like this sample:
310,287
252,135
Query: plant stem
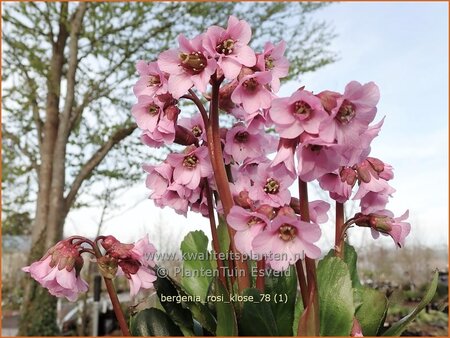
116,306
310,264
215,152
302,282
260,277
113,296
215,237
340,228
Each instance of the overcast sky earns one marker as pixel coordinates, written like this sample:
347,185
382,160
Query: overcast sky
403,47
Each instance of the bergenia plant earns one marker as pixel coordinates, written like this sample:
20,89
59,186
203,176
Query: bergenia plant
264,273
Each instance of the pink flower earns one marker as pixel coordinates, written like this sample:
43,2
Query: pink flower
353,112
147,112
163,134
187,66
339,184
242,143
152,81
302,112
370,181
373,201
317,158
286,240
252,92
272,59
195,125
159,178
356,329
384,222
144,252
190,166
173,200
59,271
318,211
285,155
271,185
248,224
139,276
230,46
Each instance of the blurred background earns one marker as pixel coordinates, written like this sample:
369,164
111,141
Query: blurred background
71,155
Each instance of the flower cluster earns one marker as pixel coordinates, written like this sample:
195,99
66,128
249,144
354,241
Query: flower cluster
59,270
324,137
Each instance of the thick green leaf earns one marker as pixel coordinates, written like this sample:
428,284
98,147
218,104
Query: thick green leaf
297,313
400,326
153,322
283,291
257,317
226,317
224,237
335,297
350,258
168,297
197,268
371,306
199,311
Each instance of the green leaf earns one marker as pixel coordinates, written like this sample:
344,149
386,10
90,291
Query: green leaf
350,258
400,326
371,306
257,317
283,290
226,317
182,317
297,313
197,268
153,322
199,311
224,237
335,297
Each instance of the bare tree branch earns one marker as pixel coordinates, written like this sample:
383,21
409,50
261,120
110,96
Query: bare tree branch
95,160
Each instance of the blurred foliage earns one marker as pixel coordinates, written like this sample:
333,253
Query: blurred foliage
113,37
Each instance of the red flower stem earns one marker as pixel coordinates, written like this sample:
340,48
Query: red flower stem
302,282
260,274
201,108
215,152
215,237
114,299
310,264
340,229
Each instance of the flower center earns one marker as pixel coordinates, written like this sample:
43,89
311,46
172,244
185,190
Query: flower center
190,161
287,232
346,112
272,186
250,84
153,109
268,60
302,108
315,147
241,137
225,47
254,220
197,131
193,63
153,80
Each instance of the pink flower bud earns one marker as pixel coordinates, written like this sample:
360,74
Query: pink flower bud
328,99
172,112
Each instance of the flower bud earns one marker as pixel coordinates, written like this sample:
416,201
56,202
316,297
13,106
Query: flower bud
184,136
129,266
243,200
328,99
172,112
286,211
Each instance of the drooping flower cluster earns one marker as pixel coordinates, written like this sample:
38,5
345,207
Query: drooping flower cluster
324,137
59,270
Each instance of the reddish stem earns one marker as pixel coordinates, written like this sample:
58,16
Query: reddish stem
302,282
215,237
260,274
114,299
340,228
310,264
223,188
